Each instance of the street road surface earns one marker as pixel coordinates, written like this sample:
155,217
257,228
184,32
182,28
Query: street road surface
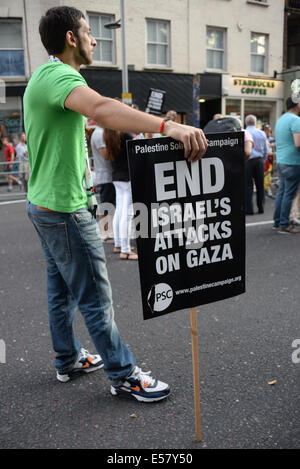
245,343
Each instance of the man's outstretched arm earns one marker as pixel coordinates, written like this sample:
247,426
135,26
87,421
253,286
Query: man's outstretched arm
111,113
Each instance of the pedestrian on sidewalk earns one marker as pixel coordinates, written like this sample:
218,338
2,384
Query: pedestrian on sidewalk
10,157
103,184
219,123
172,115
58,205
116,150
22,156
287,137
255,166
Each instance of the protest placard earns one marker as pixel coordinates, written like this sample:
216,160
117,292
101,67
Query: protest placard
192,251
190,229
155,101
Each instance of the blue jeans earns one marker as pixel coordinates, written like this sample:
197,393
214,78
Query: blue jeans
77,276
289,181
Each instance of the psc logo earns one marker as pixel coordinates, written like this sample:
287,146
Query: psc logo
160,297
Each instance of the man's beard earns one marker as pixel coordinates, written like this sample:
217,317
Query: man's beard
83,54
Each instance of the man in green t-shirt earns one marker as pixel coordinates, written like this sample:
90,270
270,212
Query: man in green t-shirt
55,101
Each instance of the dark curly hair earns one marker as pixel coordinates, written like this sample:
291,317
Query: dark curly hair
54,26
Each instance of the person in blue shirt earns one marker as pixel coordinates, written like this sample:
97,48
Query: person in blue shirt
287,137
255,166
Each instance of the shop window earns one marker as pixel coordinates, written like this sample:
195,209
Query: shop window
215,48
158,43
104,51
233,107
265,111
11,122
11,48
259,52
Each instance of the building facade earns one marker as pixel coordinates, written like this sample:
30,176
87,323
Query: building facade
291,45
242,46
208,56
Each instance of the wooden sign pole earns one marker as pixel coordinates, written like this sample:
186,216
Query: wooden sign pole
195,356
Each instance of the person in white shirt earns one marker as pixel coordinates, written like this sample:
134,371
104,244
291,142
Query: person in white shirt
103,184
22,157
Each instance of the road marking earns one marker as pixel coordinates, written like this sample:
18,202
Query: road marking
259,223
8,202
268,222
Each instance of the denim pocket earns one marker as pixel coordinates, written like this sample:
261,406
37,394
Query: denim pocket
83,217
288,171
88,227
55,235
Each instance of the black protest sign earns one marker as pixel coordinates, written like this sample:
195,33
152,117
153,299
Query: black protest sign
155,101
192,243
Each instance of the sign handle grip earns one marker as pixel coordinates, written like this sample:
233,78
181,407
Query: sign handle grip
195,356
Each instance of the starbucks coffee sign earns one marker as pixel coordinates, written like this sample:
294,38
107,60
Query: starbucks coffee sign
249,86
252,87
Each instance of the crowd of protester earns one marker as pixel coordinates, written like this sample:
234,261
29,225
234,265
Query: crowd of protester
263,177
112,181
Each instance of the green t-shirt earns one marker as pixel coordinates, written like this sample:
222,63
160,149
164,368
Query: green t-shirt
55,139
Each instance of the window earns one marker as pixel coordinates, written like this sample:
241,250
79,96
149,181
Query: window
105,49
265,111
158,43
294,4
11,48
233,107
215,48
11,122
259,51
293,42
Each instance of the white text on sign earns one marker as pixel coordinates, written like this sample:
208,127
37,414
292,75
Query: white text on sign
198,182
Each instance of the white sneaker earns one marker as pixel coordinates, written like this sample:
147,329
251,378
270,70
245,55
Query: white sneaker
142,387
86,363
295,222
